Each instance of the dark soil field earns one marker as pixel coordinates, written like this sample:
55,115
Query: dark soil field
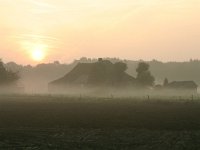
59,122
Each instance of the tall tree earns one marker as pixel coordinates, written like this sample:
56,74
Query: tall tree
144,76
7,77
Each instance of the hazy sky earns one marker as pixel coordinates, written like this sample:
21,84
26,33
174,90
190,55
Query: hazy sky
47,30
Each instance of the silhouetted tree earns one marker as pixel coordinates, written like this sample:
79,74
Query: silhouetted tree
104,72
2,72
144,76
142,67
166,82
7,77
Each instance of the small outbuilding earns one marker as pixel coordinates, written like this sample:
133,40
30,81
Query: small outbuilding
183,86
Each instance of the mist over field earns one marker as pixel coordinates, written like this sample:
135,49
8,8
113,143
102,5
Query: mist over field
99,75
109,102
35,79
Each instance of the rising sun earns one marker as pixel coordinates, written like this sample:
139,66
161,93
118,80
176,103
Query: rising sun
38,53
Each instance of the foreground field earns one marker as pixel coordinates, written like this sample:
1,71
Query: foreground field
98,139
58,122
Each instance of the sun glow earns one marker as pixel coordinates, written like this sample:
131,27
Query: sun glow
36,51
38,55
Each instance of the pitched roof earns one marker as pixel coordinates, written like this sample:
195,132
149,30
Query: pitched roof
85,73
80,71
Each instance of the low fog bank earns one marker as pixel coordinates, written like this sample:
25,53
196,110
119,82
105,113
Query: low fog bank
105,92
108,92
11,90
35,79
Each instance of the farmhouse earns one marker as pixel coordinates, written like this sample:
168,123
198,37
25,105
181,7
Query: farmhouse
102,73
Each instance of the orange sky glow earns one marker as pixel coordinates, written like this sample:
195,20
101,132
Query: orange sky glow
37,31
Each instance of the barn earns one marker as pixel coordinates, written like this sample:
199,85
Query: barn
101,74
